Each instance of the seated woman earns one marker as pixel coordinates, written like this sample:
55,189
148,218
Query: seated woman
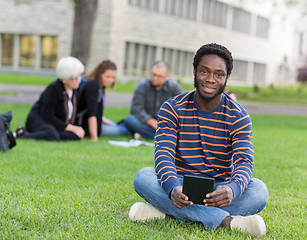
52,117
91,102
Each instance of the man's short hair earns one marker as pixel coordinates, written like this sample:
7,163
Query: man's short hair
69,67
161,64
215,49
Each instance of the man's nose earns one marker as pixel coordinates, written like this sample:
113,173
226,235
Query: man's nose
210,78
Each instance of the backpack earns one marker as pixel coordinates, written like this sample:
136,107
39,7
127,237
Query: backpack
7,139
81,87
82,83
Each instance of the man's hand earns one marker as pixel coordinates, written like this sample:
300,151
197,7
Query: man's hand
221,197
179,199
152,122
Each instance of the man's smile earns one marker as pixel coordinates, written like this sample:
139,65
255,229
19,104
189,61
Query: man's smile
207,89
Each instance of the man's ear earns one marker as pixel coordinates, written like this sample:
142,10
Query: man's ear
194,71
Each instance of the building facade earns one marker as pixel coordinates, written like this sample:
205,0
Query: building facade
34,34
135,33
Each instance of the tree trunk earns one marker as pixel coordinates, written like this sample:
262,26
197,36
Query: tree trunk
85,14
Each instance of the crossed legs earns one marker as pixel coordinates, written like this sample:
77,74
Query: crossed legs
252,201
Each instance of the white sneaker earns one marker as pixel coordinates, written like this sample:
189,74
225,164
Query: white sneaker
252,225
137,136
142,211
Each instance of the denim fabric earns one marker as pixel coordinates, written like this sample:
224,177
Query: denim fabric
114,129
136,126
252,201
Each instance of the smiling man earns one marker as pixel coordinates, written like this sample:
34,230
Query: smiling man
204,133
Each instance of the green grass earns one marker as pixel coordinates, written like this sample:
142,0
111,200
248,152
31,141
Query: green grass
23,79
83,190
296,94
8,93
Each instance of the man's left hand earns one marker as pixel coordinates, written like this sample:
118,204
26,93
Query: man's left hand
221,197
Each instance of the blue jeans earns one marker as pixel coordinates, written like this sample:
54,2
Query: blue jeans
252,201
136,126
114,129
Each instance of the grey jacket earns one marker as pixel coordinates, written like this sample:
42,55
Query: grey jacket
147,101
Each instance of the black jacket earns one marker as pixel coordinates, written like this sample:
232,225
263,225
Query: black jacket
90,104
51,105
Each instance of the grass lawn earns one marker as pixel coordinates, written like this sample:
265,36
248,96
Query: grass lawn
83,190
15,78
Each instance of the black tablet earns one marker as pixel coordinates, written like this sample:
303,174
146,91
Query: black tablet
196,187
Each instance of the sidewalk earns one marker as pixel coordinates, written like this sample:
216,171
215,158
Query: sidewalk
30,94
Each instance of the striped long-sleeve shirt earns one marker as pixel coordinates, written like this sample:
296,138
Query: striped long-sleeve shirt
214,143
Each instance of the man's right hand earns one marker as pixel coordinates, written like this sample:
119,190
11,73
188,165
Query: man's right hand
152,123
179,199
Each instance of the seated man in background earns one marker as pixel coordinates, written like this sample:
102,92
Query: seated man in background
204,133
148,97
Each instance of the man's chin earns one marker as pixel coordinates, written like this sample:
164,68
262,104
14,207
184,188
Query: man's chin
154,84
204,97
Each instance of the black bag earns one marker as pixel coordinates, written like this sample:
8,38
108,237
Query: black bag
7,139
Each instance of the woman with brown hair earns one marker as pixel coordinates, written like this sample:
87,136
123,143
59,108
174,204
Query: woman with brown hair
91,102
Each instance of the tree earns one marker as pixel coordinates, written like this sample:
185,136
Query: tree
302,75
84,19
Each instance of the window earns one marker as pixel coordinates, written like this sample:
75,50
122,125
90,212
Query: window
215,12
140,57
220,14
27,50
262,29
241,20
192,9
7,49
301,44
240,69
33,51
259,73
49,46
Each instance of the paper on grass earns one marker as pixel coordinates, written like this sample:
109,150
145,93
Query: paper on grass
131,143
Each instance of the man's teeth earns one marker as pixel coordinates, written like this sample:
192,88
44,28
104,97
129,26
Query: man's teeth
206,87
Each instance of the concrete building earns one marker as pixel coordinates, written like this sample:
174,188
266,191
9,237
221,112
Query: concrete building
266,42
